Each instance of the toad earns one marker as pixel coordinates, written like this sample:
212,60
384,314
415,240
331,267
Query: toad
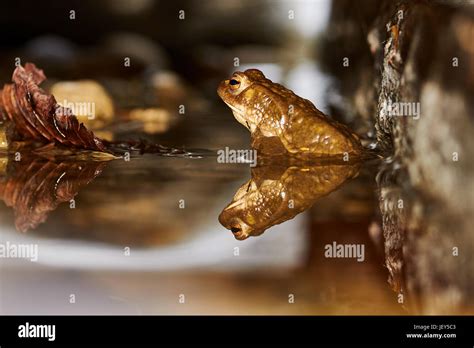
271,111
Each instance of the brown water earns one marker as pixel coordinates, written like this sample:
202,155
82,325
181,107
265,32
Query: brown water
135,236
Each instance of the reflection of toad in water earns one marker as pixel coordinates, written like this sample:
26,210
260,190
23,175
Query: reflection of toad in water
277,193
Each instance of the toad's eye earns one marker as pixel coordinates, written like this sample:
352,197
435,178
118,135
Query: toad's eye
234,84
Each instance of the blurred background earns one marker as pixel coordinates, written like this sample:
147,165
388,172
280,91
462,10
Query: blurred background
129,245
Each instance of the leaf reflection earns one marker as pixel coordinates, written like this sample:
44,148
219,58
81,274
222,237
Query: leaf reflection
36,186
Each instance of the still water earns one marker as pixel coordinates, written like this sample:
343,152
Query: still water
143,237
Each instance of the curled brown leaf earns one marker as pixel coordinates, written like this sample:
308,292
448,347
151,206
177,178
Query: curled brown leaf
37,116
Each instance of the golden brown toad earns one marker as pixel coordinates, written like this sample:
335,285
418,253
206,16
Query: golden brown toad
277,193
270,110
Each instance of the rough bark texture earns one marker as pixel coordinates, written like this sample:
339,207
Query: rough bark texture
421,52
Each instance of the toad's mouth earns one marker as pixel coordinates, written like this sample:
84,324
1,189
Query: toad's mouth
240,117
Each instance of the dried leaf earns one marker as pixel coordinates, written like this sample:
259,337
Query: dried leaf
37,116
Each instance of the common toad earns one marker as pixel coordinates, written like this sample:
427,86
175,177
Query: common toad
269,110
